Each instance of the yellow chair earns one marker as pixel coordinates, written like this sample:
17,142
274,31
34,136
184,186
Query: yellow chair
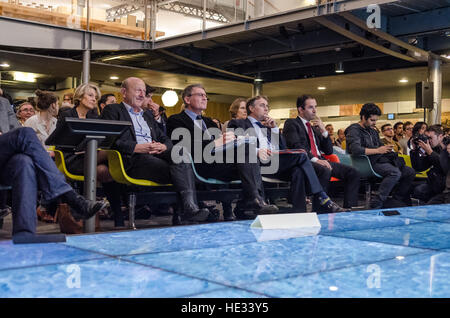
60,163
117,171
422,174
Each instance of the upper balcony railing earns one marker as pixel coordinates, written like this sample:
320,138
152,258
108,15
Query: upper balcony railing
146,19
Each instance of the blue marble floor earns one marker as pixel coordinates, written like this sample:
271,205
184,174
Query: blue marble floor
357,254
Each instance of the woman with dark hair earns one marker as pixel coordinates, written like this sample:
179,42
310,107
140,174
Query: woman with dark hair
238,110
44,122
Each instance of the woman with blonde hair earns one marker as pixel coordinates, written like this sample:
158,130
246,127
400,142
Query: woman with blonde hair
44,122
85,100
238,110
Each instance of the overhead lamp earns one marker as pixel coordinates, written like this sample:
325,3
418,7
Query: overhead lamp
446,56
114,77
258,79
170,98
24,77
321,88
403,80
4,65
339,68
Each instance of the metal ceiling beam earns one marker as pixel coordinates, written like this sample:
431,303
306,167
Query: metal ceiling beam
122,10
333,26
420,54
263,22
181,58
193,11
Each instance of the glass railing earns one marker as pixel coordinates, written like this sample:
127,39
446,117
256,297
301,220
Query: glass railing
127,18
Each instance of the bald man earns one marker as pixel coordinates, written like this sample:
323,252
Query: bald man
146,149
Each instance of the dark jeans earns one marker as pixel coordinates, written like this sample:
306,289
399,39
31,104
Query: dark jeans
27,167
401,176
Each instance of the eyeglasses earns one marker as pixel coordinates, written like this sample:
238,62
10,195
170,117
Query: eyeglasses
200,95
387,129
27,110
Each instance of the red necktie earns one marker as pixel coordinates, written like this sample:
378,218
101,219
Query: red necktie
311,141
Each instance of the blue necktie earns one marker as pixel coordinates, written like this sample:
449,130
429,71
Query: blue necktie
267,131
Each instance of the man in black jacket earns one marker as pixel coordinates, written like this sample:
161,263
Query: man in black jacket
300,133
363,139
201,135
428,156
293,167
146,149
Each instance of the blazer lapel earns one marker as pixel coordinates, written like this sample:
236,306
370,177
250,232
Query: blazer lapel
127,117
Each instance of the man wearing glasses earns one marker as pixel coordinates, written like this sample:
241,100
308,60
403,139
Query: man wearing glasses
146,150
198,133
388,133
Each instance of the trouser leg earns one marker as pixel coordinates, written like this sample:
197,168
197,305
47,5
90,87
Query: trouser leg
19,172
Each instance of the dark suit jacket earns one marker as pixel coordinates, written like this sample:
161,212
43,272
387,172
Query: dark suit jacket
8,120
246,124
297,137
126,143
182,120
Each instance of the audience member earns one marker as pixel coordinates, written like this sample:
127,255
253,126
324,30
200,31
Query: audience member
330,129
293,167
44,122
106,99
27,168
407,128
362,139
308,132
238,110
340,140
8,119
426,154
398,131
85,106
146,150
158,112
24,111
196,100
418,130
388,133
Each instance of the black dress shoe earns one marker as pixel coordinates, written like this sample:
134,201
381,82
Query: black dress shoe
199,215
85,209
256,205
244,215
332,207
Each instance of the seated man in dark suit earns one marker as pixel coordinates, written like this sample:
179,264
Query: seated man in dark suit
315,139
28,168
146,150
198,132
293,167
363,139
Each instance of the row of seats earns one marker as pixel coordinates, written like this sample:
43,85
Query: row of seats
159,191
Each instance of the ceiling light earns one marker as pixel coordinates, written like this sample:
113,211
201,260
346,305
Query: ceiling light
321,87
403,80
258,79
400,258
339,68
114,77
446,56
4,65
24,77
169,98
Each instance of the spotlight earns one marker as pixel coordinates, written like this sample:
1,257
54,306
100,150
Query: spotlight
169,98
339,68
